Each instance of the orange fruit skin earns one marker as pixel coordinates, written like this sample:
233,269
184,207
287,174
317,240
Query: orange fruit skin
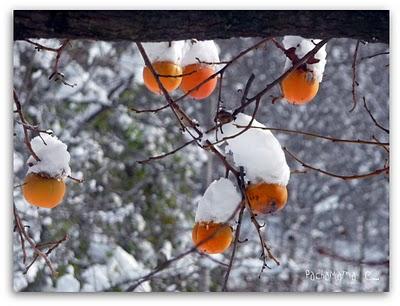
163,68
193,75
266,198
298,89
218,242
43,192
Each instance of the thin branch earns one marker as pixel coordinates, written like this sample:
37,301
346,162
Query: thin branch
22,232
374,55
326,252
247,88
354,83
333,139
76,179
235,244
167,263
56,75
245,127
53,244
343,177
296,65
373,118
24,126
145,161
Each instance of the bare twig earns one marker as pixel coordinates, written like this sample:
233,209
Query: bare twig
373,118
25,237
326,252
333,139
56,75
354,83
24,126
343,177
235,244
145,161
373,55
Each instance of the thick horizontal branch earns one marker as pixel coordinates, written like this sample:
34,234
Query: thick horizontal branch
142,26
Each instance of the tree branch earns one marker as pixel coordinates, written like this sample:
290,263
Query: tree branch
152,25
343,177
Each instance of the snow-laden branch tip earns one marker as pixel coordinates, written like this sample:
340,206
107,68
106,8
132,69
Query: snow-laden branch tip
256,150
53,156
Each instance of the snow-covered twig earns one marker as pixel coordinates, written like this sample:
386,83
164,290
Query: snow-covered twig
384,170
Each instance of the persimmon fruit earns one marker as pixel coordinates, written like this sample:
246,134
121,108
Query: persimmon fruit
266,198
217,237
42,191
193,75
170,76
298,87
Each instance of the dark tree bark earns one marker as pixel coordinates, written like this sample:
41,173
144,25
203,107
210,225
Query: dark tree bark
371,26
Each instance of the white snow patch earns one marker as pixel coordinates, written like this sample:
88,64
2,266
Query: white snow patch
67,282
53,155
20,281
256,150
303,46
122,266
327,204
218,202
203,50
96,278
165,51
18,162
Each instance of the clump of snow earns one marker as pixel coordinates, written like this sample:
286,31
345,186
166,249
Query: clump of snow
200,50
67,282
256,150
303,46
96,279
119,268
122,266
165,51
218,202
53,155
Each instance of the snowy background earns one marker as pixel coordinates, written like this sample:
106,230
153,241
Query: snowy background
127,218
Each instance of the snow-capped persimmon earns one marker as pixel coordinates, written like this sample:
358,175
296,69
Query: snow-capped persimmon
193,75
216,237
299,87
266,198
41,191
170,76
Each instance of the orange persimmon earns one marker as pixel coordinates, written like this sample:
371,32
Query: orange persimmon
170,76
42,191
266,198
298,87
193,75
217,237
